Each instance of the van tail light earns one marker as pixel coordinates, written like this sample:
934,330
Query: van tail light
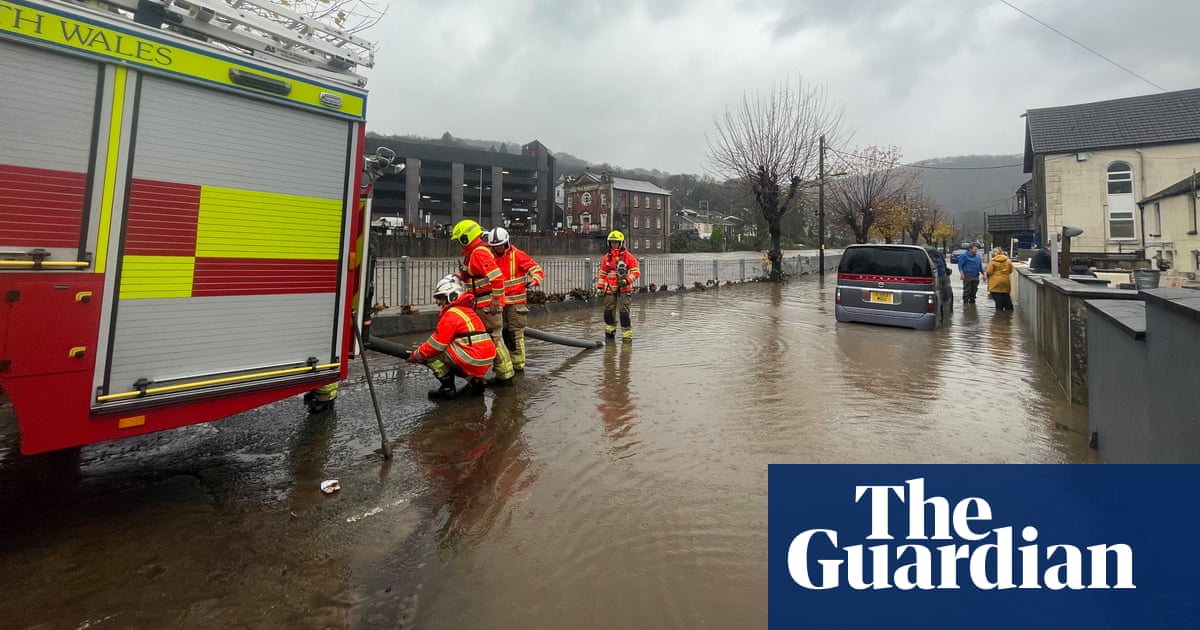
929,307
837,297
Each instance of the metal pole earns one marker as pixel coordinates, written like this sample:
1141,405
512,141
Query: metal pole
481,196
821,209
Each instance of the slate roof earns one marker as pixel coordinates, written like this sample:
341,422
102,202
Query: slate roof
1185,185
637,185
1166,118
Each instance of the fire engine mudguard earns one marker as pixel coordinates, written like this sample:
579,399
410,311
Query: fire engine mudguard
559,339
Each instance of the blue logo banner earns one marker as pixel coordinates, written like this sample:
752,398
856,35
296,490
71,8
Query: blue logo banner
984,546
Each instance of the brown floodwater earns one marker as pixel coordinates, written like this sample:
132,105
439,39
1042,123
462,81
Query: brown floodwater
624,486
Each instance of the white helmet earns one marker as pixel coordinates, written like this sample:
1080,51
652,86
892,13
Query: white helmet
450,288
497,237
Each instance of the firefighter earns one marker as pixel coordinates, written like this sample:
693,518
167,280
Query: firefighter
482,278
618,271
518,270
460,345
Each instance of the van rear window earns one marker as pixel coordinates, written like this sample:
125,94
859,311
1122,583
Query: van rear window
885,261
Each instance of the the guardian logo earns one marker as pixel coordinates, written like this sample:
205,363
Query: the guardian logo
957,548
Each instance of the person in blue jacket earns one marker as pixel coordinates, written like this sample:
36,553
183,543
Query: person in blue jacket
970,266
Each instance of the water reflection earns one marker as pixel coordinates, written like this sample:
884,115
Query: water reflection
616,408
477,462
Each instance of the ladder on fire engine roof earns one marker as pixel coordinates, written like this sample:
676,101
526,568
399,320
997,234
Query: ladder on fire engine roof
260,27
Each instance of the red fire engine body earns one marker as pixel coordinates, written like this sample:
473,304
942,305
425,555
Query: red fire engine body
180,226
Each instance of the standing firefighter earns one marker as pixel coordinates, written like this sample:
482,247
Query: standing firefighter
518,270
483,280
618,271
460,345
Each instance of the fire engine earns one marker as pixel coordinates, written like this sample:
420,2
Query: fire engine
180,221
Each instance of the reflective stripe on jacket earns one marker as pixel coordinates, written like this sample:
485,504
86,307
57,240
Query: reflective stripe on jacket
610,280
461,334
516,267
481,274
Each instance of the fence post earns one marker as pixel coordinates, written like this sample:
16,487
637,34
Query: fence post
405,281
587,274
742,264
716,272
680,266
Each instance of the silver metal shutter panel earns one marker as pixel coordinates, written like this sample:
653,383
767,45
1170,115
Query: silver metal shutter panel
49,110
188,134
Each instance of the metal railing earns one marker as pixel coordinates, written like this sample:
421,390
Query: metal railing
410,281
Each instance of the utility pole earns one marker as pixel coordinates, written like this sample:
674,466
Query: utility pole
821,209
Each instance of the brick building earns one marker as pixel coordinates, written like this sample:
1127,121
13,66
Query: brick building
597,204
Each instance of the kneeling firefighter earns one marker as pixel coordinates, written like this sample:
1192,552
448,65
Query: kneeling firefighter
618,271
482,278
460,345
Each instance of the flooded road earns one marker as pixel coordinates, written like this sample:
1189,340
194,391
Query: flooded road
618,487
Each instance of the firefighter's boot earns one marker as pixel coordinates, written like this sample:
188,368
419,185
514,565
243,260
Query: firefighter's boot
627,335
447,391
476,385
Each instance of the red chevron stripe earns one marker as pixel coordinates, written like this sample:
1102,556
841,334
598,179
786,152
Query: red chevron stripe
40,207
257,276
162,218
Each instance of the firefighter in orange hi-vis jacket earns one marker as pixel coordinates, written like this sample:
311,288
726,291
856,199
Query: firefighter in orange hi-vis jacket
460,345
518,270
482,278
618,271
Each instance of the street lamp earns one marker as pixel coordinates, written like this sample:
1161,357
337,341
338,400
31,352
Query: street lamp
481,196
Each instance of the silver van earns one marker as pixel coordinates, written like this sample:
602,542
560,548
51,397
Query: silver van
896,285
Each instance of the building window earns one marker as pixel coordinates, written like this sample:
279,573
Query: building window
1156,227
658,203
1120,201
658,244
603,220
647,243
1120,179
603,200
571,202
569,217
635,220
587,199
647,198
633,242
585,220
658,223
635,201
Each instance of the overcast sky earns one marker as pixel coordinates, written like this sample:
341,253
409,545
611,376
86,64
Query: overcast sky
637,83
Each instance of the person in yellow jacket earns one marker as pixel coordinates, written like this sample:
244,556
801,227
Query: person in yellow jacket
618,271
999,279
518,270
482,277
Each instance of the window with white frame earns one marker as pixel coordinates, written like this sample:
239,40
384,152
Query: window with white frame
571,202
658,223
603,220
587,199
1120,201
647,243
647,198
569,221
635,201
635,220
658,203
633,242
658,243
603,200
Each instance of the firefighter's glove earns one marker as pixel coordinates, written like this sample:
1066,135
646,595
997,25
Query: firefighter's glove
494,309
623,282
413,357
599,292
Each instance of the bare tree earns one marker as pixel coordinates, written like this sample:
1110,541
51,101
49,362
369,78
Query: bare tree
769,145
875,177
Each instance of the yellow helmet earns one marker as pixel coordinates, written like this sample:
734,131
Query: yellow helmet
617,236
465,231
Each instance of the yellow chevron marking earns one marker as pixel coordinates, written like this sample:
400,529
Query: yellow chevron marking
144,277
247,224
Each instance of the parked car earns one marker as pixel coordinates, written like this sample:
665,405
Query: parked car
955,254
896,285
